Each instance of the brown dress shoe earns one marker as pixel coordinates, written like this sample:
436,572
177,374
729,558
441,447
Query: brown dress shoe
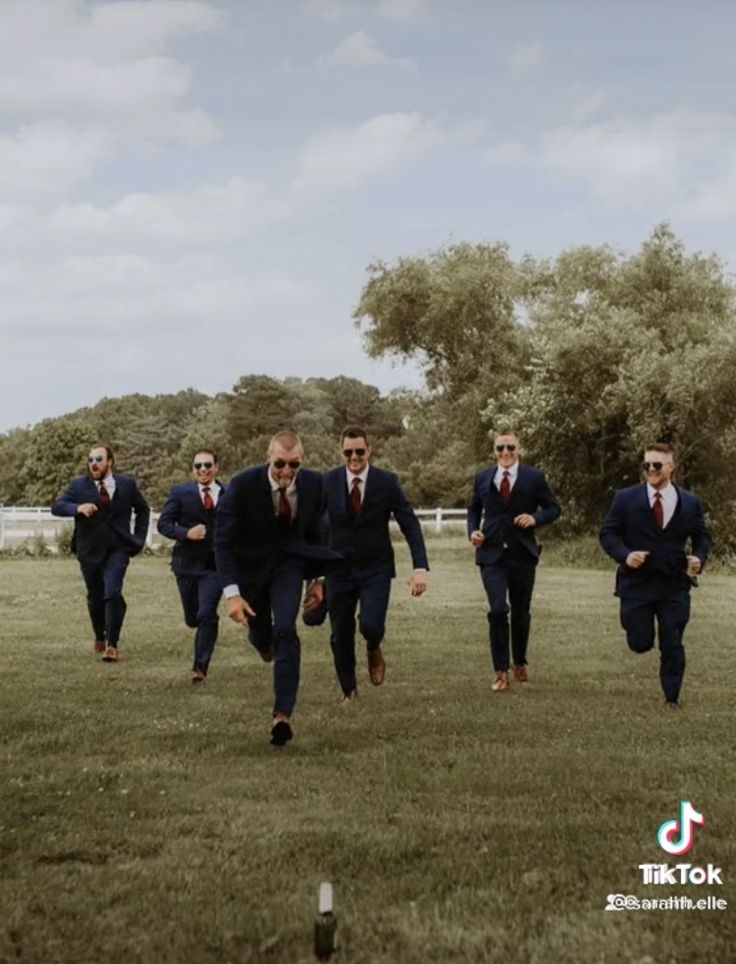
520,674
111,654
376,666
99,645
198,675
500,682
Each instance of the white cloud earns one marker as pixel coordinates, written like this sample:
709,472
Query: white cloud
103,68
37,30
525,56
400,9
344,158
47,159
327,9
360,50
682,162
507,153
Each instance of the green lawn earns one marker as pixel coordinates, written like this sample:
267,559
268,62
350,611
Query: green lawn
146,820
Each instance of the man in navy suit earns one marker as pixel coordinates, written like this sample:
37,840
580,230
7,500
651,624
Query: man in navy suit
188,517
646,531
102,504
360,499
509,502
267,541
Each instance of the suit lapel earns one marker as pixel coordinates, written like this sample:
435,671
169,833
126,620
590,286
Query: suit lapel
369,492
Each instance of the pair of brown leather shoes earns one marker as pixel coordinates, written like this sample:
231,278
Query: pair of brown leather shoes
111,654
376,666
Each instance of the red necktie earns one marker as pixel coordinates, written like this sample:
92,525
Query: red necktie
505,490
207,499
284,507
658,510
355,501
104,497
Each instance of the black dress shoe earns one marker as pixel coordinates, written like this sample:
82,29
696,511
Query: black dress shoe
281,733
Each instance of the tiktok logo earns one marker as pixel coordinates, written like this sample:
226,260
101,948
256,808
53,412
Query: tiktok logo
676,836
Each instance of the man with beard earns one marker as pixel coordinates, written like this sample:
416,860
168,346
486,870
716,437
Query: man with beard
102,504
267,542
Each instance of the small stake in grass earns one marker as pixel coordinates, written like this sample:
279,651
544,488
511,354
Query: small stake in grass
325,927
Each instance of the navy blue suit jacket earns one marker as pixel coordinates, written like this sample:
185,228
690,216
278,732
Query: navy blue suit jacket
364,539
183,510
530,495
629,526
108,528
250,541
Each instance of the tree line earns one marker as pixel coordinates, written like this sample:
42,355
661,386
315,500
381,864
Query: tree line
589,356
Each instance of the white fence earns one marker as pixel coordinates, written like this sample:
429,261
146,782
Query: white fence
20,523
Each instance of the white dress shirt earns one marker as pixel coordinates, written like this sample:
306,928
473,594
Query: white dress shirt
110,484
290,493
513,471
215,489
362,476
669,500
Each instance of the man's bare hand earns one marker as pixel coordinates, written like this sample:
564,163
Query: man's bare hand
636,559
477,538
197,533
417,583
313,596
525,521
238,610
694,565
87,509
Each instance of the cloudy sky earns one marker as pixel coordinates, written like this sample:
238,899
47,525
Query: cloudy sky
191,190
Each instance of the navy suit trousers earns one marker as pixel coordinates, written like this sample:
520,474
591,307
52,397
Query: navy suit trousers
105,602
344,593
276,603
200,597
671,613
509,584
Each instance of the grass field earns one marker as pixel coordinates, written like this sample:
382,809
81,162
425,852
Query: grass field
145,820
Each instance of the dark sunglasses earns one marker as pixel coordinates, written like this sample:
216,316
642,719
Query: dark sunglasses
509,448
96,458
203,465
657,466
281,464
348,453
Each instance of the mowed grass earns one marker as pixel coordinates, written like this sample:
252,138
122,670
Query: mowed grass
145,820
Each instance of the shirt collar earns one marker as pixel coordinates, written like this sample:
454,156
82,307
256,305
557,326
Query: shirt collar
362,476
668,492
513,471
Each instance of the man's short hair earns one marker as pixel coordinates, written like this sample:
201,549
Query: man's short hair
106,447
287,440
354,431
664,447
506,431
205,451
